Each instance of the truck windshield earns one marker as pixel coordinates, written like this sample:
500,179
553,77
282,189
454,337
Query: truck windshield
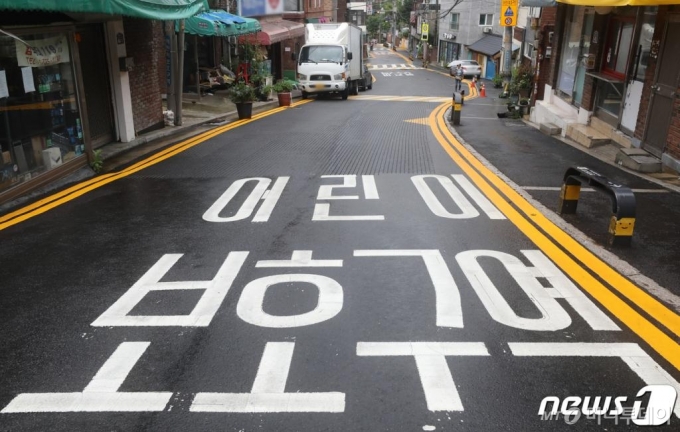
321,54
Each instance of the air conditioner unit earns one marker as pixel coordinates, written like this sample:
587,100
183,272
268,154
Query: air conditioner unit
487,29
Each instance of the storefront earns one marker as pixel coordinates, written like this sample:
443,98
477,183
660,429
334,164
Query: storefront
448,50
40,126
208,32
279,38
54,108
602,56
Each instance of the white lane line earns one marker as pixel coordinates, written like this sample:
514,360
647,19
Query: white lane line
554,188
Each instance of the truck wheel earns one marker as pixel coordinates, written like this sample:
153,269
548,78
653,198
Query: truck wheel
345,93
370,86
355,88
305,95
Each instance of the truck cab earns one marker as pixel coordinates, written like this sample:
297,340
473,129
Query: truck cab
330,60
323,69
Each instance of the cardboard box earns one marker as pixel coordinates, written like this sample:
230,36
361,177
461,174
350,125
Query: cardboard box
6,157
52,157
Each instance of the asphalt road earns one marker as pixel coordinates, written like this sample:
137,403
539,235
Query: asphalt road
332,266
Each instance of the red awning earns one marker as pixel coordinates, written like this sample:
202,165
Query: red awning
275,31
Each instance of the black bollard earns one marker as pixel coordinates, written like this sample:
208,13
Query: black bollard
456,106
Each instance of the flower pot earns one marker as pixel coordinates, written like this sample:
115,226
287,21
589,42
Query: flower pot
284,98
244,109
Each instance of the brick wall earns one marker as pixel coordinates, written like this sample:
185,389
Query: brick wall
546,25
560,16
146,46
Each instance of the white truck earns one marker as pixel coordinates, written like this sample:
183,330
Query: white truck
331,61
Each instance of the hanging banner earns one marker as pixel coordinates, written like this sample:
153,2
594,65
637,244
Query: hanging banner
43,52
250,8
509,13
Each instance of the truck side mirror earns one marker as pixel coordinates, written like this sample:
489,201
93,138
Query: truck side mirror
349,56
293,56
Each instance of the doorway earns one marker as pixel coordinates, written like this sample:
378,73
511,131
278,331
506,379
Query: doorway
664,89
96,84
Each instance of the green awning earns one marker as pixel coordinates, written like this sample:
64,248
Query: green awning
163,10
220,24
250,26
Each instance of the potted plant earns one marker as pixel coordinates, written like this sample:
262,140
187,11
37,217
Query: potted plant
522,80
497,81
283,90
243,96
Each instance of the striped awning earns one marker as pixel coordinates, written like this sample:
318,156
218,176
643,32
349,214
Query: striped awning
220,24
163,10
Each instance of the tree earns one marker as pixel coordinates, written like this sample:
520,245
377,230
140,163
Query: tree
373,24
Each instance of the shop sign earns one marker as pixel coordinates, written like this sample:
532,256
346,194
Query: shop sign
43,52
449,36
261,7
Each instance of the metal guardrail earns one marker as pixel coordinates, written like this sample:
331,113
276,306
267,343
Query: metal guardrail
622,221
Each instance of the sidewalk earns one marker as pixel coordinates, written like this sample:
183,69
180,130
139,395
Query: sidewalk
210,109
536,162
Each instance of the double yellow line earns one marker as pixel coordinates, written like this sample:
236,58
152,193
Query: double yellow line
82,188
553,241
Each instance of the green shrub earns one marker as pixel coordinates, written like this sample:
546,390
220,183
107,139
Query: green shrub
284,86
241,92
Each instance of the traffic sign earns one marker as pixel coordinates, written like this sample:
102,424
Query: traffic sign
509,13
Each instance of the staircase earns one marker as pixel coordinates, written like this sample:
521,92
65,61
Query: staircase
587,136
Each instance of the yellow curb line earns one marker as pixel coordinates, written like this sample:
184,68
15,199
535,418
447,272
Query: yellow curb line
82,188
483,178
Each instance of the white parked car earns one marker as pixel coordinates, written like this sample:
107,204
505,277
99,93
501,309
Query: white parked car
470,68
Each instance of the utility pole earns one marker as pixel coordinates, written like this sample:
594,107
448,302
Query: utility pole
507,52
509,9
179,89
436,31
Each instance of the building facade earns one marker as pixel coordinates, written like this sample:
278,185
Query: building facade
615,70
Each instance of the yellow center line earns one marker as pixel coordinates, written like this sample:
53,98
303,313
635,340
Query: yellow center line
483,178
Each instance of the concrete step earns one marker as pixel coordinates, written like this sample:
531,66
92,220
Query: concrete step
550,129
610,131
601,126
586,136
638,160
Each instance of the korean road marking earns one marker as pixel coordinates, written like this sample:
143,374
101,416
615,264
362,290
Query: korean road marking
435,376
448,307
483,178
267,394
101,394
635,357
215,292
